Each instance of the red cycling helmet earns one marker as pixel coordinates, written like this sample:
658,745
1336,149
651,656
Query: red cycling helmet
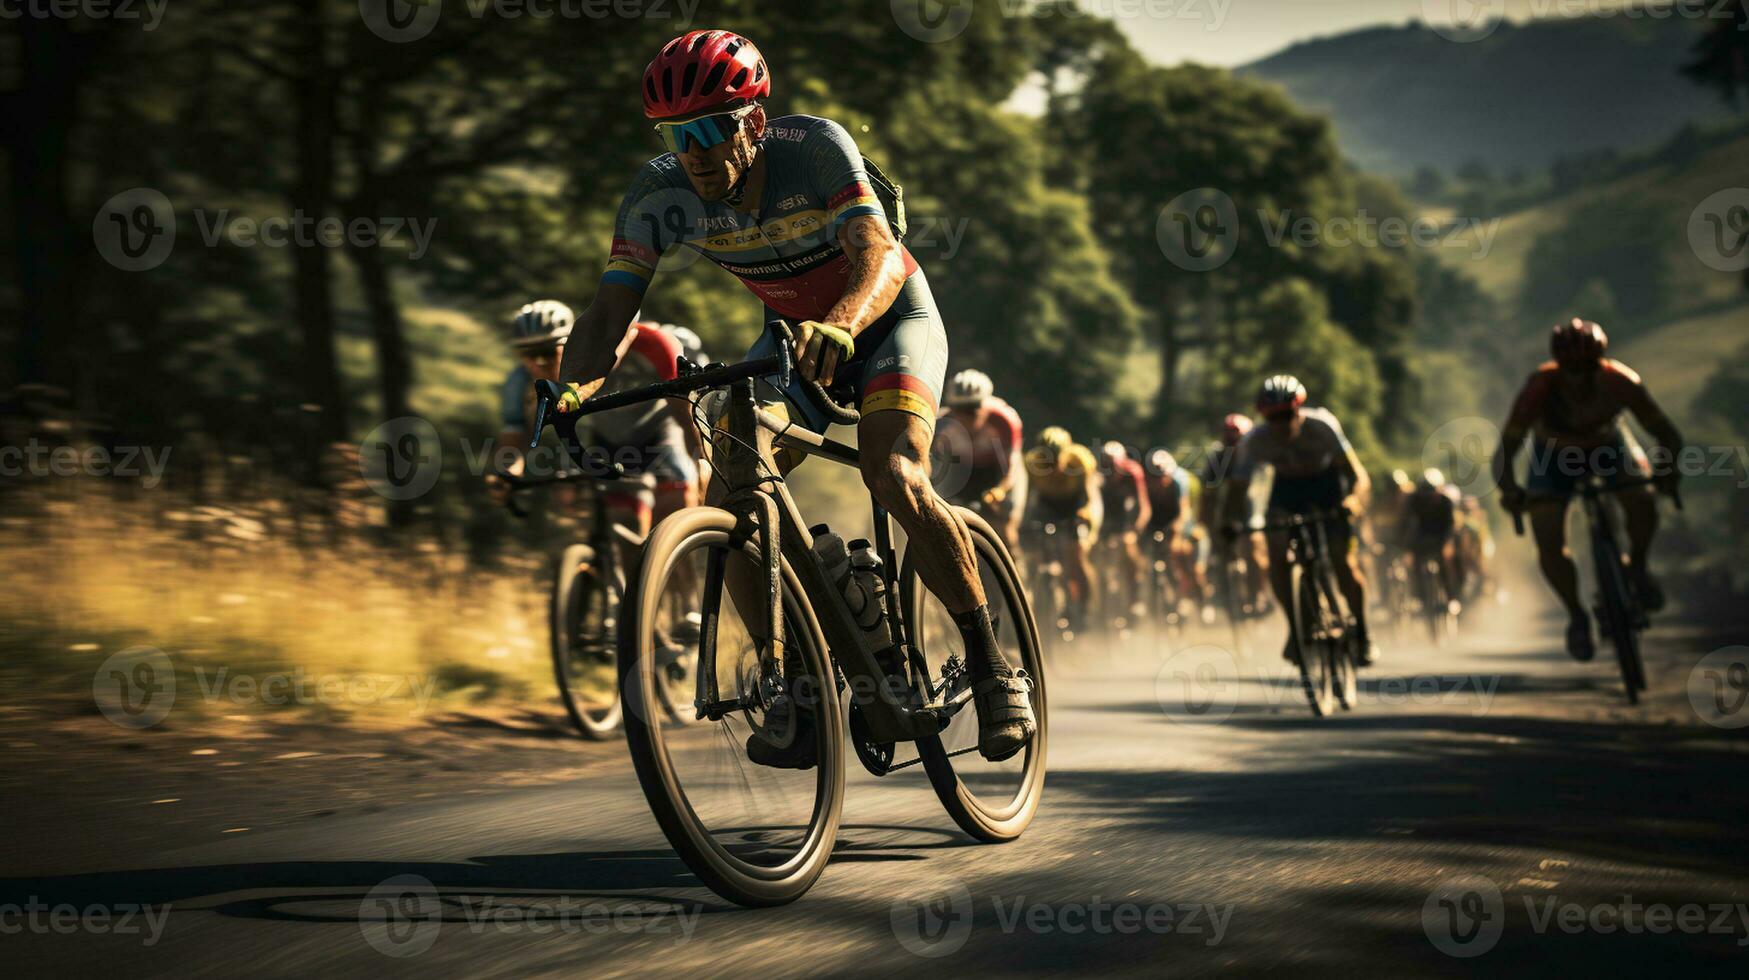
1233,428
1578,342
704,70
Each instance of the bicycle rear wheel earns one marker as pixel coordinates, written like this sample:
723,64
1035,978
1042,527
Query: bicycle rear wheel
992,801
1314,657
755,835
584,601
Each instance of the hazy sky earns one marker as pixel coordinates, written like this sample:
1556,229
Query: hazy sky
1233,32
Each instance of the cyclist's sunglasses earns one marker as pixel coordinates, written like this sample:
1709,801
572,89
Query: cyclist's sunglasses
706,131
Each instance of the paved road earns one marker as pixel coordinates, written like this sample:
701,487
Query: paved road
1495,800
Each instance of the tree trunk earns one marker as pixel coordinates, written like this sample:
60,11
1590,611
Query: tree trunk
394,363
38,118
311,199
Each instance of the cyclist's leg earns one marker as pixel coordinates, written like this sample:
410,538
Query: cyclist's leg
1548,523
1350,576
1281,581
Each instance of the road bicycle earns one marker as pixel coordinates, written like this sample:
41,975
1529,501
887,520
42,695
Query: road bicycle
760,835
588,586
1619,613
1327,639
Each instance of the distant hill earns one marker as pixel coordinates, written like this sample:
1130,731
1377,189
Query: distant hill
1526,94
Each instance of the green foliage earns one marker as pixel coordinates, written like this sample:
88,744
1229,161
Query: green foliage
1612,252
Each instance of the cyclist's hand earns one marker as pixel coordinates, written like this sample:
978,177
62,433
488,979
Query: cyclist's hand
572,396
1668,482
1512,499
820,348
1352,506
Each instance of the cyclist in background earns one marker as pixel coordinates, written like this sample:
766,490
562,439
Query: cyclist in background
1316,469
1064,490
1475,547
1428,530
1174,496
1570,410
1127,513
1215,502
655,440
977,454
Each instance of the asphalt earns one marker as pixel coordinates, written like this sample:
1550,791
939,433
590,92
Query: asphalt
1488,807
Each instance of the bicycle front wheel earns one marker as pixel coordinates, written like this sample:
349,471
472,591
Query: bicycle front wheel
584,601
1618,620
755,834
1314,659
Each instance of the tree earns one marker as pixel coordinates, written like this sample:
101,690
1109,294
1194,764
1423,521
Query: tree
1721,56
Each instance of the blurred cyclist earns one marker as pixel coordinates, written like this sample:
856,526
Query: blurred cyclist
1127,512
1064,481
977,454
1316,470
1571,410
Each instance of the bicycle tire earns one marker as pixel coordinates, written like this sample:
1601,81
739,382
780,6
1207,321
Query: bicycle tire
990,824
1314,661
1618,623
577,580
738,881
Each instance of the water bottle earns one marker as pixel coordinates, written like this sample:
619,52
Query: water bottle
865,590
830,552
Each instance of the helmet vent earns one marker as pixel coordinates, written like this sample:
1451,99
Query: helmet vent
739,80
667,84
759,71
702,40
715,78
734,46
690,77
650,87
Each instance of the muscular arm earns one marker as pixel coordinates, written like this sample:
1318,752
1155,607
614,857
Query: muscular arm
877,270
1360,481
602,335
1144,506
1652,417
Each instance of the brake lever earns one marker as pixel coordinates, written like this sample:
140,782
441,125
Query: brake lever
546,398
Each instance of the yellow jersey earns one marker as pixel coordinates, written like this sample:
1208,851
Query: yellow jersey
1060,479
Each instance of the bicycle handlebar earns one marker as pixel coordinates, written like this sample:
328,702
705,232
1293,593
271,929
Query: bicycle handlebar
1589,489
782,364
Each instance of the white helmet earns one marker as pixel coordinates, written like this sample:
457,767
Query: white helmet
542,323
690,344
968,389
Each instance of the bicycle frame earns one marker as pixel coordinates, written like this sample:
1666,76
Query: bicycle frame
758,496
